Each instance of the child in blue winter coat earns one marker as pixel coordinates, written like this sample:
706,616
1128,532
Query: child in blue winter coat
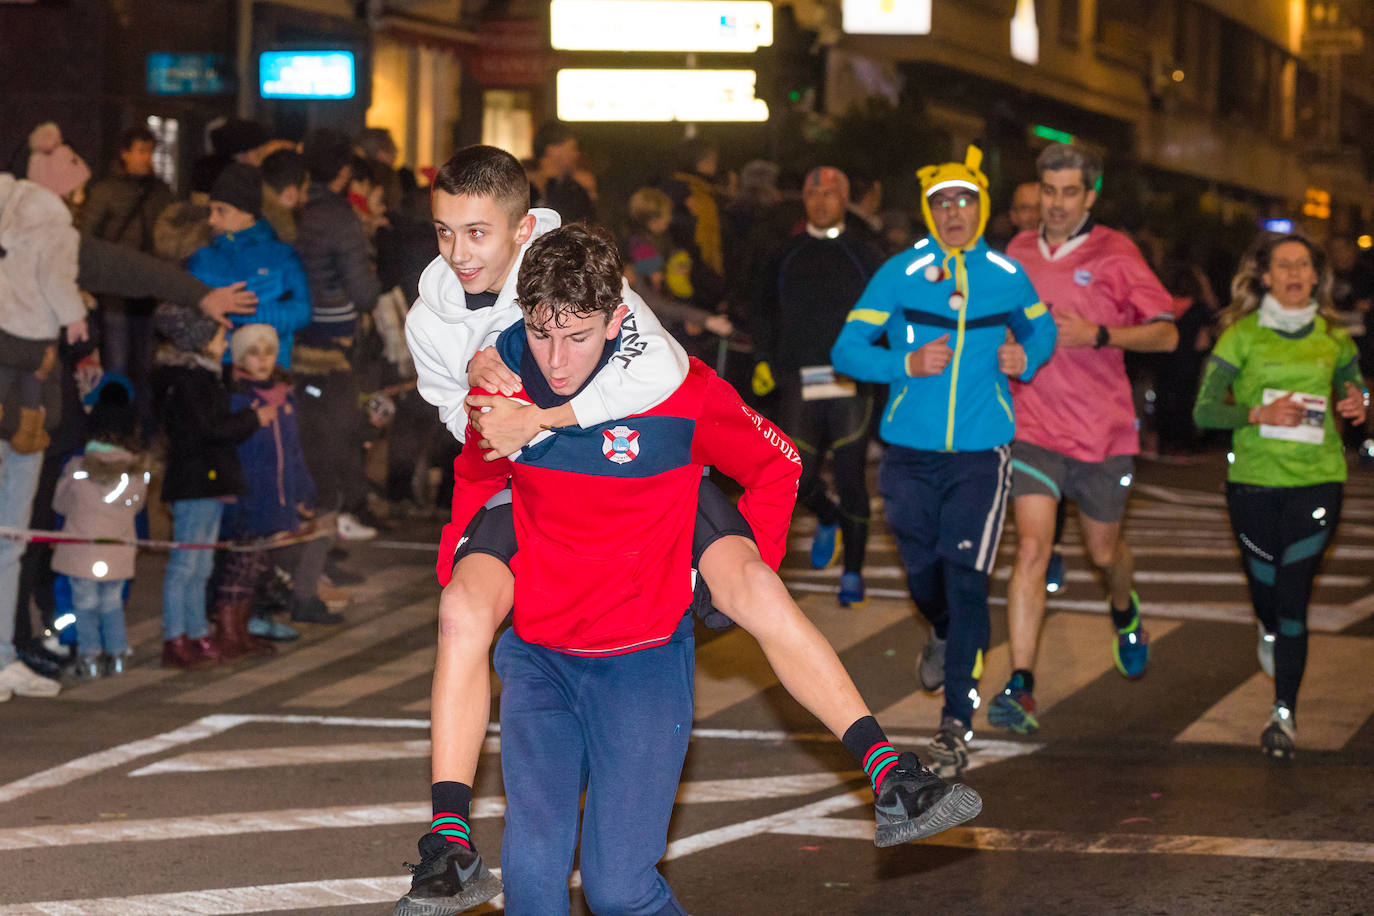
245,249
279,495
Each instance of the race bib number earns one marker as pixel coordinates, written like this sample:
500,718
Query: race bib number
820,383
1310,428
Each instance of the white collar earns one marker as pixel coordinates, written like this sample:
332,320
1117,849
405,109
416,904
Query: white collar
816,232
1076,238
1274,315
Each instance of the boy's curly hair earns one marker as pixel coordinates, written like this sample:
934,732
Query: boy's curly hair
571,272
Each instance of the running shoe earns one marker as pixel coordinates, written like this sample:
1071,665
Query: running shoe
825,546
915,803
450,878
930,670
272,628
1277,739
852,590
1014,708
353,529
1131,647
1054,574
1265,650
949,748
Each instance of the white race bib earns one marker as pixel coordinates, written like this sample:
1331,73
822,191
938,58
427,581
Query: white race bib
1311,428
820,383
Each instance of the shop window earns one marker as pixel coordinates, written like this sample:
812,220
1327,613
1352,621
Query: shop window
167,131
508,121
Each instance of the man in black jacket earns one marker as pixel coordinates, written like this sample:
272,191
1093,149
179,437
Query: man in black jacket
123,208
333,249
805,291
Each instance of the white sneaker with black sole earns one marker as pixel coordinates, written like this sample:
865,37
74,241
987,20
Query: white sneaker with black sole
350,529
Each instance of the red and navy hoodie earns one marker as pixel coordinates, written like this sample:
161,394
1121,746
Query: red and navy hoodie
604,516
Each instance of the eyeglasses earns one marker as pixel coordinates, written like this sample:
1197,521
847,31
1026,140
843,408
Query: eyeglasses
942,202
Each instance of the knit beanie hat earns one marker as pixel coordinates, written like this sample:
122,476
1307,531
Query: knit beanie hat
185,327
53,164
239,186
250,336
238,135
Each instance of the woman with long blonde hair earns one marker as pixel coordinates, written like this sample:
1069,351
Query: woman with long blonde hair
1287,367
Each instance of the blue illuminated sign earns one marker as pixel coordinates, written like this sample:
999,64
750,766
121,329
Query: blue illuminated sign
306,75
186,74
1283,226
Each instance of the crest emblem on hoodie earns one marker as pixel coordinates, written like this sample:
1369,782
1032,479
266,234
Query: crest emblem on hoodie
621,444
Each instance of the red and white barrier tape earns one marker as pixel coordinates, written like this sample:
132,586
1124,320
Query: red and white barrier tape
33,535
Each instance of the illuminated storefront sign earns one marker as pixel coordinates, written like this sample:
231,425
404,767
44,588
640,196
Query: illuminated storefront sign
659,95
738,26
887,17
306,75
186,74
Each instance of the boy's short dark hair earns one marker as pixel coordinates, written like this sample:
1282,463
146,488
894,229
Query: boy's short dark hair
283,169
139,133
571,272
361,170
486,171
326,151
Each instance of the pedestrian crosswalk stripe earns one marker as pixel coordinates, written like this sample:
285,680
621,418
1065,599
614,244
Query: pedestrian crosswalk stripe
348,817
283,668
1333,705
1144,576
225,901
811,820
419,663
1322,618
108,688
296,755
199,730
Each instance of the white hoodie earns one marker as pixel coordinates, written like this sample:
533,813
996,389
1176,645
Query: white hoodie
444,335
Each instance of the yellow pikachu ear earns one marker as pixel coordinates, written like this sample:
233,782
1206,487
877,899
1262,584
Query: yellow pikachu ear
974,158
925,173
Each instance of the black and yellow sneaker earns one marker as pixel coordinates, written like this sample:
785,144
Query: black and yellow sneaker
450,878
915,803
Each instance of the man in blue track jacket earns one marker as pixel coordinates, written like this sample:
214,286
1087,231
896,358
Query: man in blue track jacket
946,307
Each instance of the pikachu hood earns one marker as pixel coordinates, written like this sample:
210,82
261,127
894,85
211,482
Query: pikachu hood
967,175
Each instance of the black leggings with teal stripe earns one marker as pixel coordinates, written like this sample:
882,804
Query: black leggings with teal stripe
1283,533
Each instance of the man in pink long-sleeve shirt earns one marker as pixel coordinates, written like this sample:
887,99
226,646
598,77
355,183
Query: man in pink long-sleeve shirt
1076,434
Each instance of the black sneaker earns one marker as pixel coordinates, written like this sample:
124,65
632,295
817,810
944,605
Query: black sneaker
915,803
449,879
343,577
313,610
949,748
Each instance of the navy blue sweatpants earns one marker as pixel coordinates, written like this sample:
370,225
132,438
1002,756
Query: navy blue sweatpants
614,727
946,510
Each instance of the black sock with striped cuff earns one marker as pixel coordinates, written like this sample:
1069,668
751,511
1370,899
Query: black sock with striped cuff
451,802
869,745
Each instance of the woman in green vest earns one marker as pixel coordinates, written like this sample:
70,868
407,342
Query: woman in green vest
1289,369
